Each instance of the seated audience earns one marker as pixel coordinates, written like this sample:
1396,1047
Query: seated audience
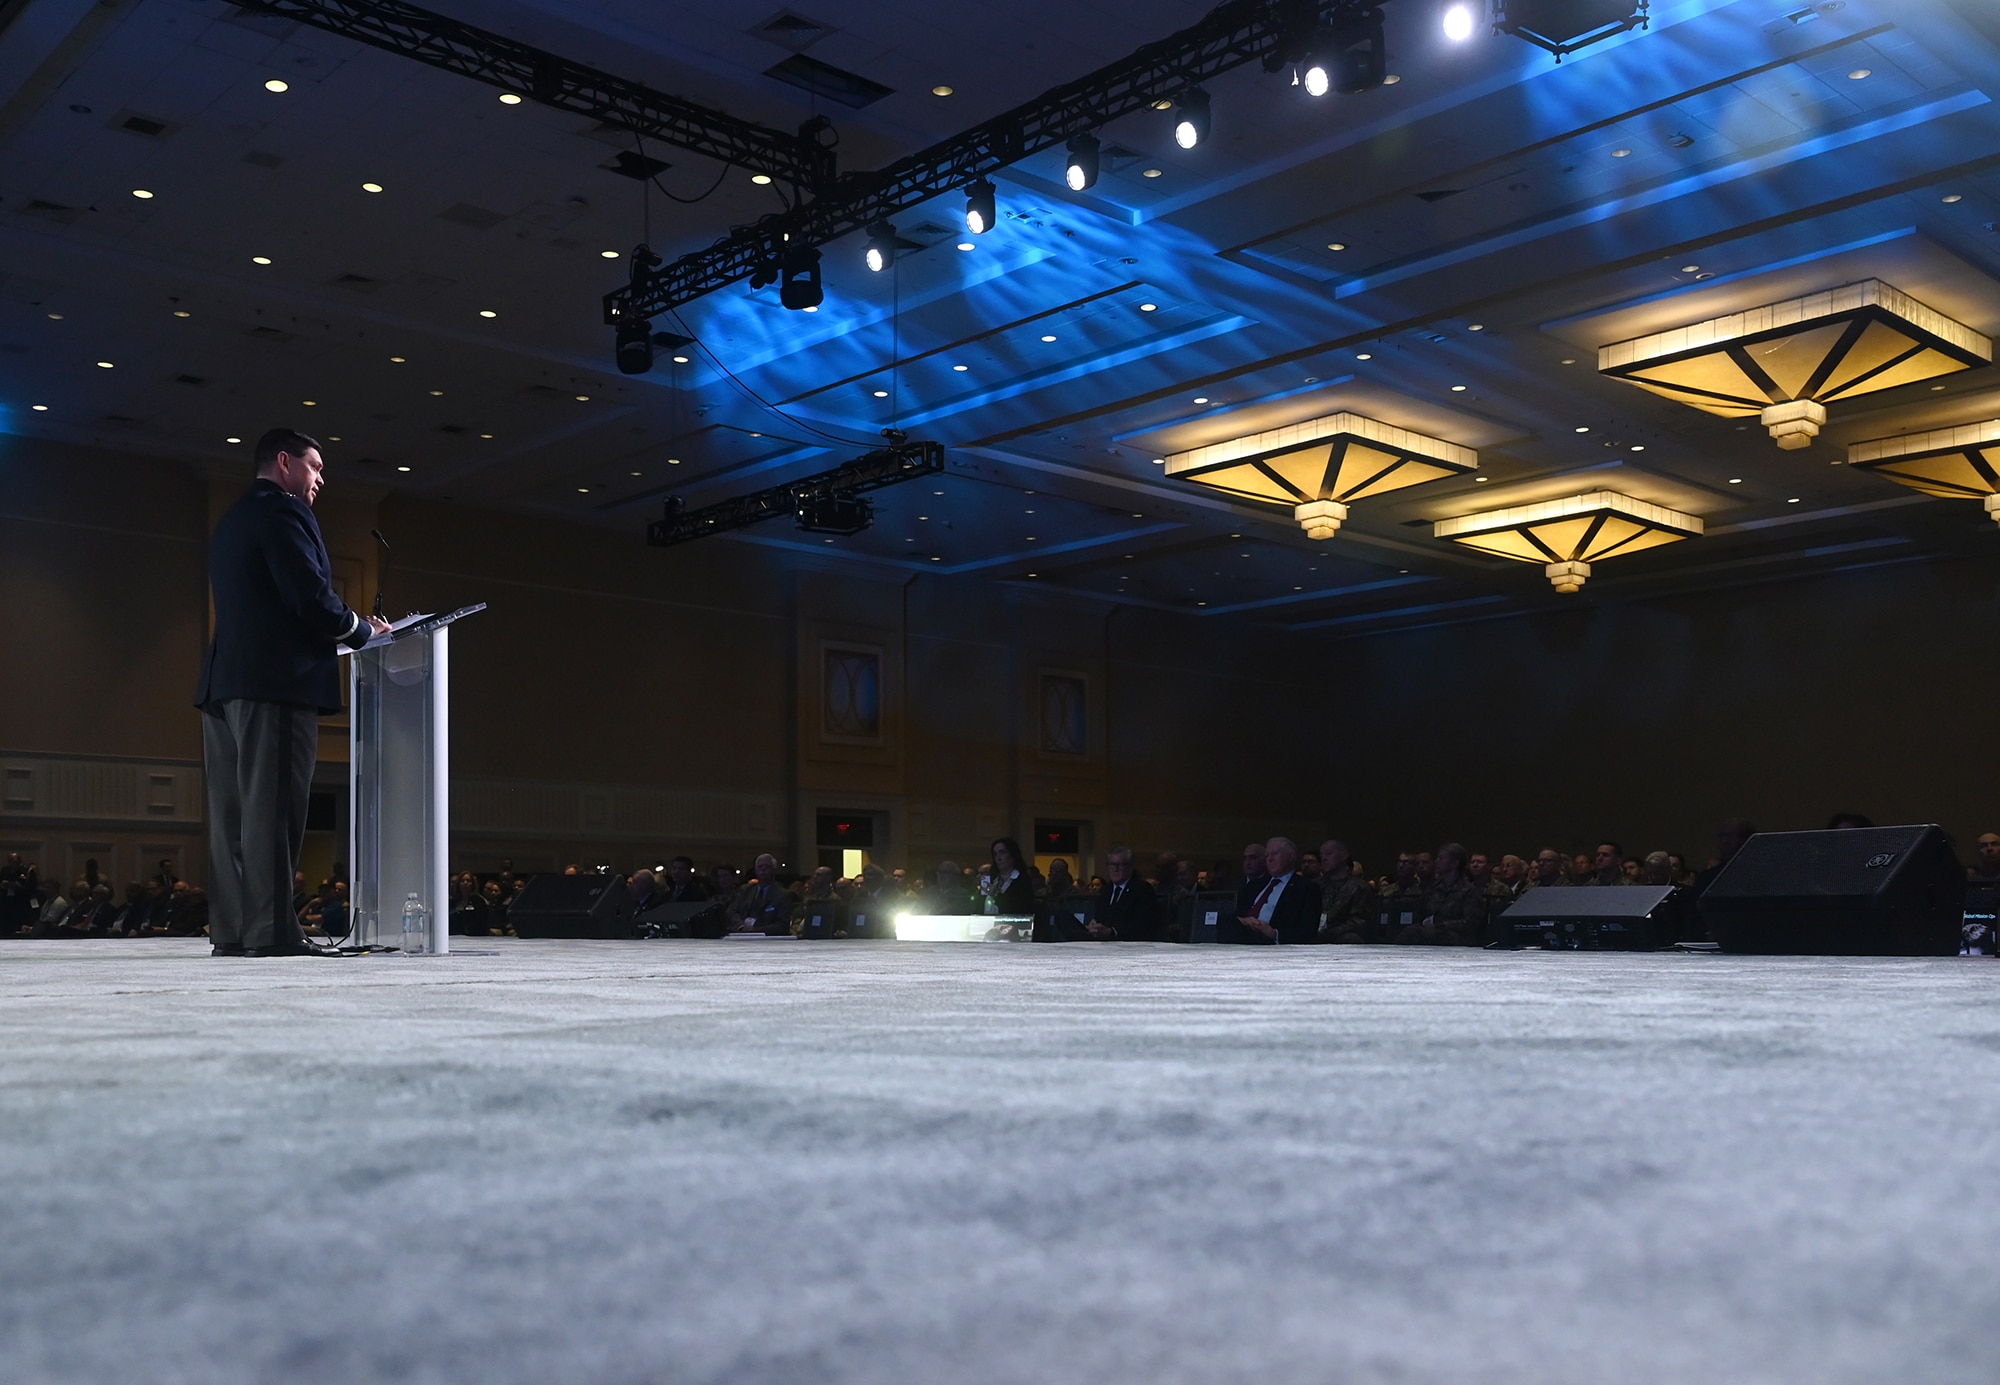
1985,867
723,882
1581,869
468,916
762,905
1009,890
947,894
1454,908
1406,883
683,885
1658,869
1127,908
1061,884
1309,865
1547,870
1285,907
19,884
1346,904
1608,865
1511,877
1253,877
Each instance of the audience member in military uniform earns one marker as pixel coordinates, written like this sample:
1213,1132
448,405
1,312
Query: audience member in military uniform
1548,870
1454,908
1405,881
762,905
18,886
1985,867
1346,904
1479,870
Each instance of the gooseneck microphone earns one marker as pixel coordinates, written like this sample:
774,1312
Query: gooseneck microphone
378,583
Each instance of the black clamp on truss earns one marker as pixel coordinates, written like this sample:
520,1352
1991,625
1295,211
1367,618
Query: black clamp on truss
1233,34
885,466
797,159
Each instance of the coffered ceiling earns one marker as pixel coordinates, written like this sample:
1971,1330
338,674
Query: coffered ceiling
1499,217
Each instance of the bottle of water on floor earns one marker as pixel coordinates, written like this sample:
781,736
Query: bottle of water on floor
416,925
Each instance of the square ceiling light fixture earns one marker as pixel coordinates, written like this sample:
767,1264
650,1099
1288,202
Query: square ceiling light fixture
1567,536
1785,362
1960,463
1322,465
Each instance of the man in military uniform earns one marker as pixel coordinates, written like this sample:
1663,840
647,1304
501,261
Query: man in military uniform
1547,870
1454,910
1347,913
1402,898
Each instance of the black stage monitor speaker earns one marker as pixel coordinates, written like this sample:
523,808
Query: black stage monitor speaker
573,906
1591,918
1853,892
1210,917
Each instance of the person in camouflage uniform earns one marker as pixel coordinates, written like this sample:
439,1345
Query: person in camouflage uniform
1347,913
1454,908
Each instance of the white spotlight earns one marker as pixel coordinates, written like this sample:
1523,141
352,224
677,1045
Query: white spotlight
1458,21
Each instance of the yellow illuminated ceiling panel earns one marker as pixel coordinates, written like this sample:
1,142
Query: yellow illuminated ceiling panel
1567,536
1785,362
1961,463
1321,465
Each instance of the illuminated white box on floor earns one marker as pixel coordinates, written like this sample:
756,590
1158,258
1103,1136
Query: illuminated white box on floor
955,928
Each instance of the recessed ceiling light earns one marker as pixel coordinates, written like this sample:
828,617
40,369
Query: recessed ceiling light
881,394
233,440
1954,197
1690,269
673,461
1163,104
371,187
397,360
1364,355
1151,172
940,90
1201,399
333,437
1584,428
402,468
1861,74
1458,389
1475,326
680,360
585,490
1030,538
1793,501
488,437
488,312
1336,245
1638,447
1201,603
1569,360
1159,461
1482,480
585,399
310,403
104,365
508,98
142,194
1048,337
437,394
182,312
967,245
1736,480
937,560
55,317
260,259
1621,153
1936,388
1391,79
1702,276
1149,307
760,179
812,307
607,254
636,473
961,367
43,408
275,85
937,492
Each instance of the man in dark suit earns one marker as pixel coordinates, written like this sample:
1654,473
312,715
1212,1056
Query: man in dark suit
685,887
272,671
1285,908
1127,908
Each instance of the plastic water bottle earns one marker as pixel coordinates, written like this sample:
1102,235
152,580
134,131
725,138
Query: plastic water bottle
416,926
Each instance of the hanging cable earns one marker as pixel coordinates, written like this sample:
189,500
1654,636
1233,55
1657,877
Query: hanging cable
758,399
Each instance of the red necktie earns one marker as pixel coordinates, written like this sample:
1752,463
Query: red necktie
1257,909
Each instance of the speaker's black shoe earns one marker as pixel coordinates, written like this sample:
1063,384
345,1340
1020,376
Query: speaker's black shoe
288,950
221,951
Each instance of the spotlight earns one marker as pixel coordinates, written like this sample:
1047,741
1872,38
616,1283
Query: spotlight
635,345
1361,63
1192,126
1317,82
801,288
979,207
1082,172
1458,21
881,246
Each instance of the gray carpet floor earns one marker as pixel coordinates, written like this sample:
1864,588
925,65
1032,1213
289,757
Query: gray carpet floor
790,1162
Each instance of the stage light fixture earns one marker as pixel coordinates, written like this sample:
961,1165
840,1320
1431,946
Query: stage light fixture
979,207
881,246
1458,21
635,346
1317,82
801,288
1191,125
1081,174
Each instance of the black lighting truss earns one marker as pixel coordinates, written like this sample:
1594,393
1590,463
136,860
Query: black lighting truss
885,466
798,159
1563,27
1231,35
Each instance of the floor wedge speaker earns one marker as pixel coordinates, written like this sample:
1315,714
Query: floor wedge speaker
573,906
1854,892
1592,918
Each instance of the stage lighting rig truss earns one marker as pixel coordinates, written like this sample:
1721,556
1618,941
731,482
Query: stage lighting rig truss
1232,35
828,503
1563,27
801,160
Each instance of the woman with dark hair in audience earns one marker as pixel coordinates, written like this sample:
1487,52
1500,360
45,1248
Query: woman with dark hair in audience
1010,886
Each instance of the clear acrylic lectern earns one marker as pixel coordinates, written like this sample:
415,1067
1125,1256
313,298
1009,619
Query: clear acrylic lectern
399,780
